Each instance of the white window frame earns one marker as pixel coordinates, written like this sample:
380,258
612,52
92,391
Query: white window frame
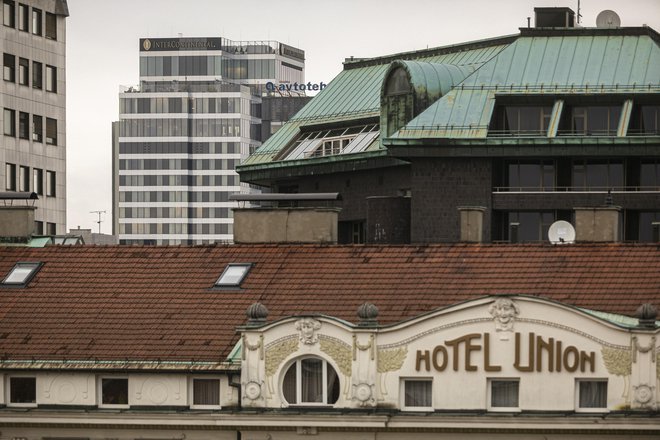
8,393
191,391
402,393
489,395
578,408
324,378
99,392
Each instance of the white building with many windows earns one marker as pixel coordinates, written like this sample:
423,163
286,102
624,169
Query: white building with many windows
181,133
33,101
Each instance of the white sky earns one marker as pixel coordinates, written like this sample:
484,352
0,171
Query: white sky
102,53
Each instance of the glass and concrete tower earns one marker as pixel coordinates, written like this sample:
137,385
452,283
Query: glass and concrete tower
33,102
195,115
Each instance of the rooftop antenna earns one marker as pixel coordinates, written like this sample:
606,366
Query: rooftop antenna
99,220
578,13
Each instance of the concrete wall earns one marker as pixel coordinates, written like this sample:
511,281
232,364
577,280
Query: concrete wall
285,225
17,221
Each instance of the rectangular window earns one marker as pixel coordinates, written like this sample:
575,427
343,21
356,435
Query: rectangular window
36,21
38,182
23,125
504,394
521,120
9,8
37,75
37,128
114,391
594,120
205,393
418,394
38,227
23,391
51,26
10,177
51,79
51,182
10,122
23,17
24,179
51,131
9,67
598,175
51,229
24,71
592,394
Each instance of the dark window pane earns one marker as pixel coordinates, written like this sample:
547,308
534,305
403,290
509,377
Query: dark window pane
114,391
37,75
36,21
51,26
23,125
37,128
24,72
593,394
51,131
9,8
289,384
206,391
504,394
418,393
9,67
23,390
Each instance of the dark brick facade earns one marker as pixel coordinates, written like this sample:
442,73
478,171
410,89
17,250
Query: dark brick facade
439,187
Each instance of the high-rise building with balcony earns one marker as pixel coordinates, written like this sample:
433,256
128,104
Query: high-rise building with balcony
195,115
33,102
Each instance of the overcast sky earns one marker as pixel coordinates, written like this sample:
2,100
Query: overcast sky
102,53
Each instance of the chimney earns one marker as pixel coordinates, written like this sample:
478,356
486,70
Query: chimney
600,224
472,223
554,18
17,216
286,225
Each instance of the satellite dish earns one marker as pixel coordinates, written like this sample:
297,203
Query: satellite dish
608,19
561,232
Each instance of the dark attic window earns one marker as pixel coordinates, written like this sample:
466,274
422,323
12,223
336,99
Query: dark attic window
233,275
21,274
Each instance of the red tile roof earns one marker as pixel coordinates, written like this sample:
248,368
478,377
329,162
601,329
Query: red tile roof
149,303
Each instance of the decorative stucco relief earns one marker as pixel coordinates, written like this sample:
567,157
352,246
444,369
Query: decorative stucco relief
504,312
644,396
307,328
389,360
275,354
259,345
619,363
279,351
341,353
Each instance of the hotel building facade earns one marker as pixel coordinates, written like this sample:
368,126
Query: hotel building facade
182,132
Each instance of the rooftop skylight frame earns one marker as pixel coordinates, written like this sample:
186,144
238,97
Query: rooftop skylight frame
21,274
233,275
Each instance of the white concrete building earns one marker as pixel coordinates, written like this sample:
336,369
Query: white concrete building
33,101
181,133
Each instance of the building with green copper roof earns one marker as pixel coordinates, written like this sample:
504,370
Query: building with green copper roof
523,128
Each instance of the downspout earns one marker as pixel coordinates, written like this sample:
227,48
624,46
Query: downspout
240,399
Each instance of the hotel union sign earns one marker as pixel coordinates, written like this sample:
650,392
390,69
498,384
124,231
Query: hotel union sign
531,352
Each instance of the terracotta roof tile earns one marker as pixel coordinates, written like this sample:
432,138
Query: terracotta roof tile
118,302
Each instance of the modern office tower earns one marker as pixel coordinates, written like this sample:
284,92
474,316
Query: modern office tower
195,115
33,102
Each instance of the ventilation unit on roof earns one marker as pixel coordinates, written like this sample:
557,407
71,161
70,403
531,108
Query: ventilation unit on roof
554,18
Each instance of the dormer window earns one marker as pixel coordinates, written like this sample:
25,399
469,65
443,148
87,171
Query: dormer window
520,120
398,101
593,120
331,142
21,274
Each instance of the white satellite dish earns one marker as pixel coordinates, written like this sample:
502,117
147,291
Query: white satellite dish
561,232
608,19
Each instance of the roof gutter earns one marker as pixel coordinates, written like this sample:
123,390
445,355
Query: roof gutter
49,364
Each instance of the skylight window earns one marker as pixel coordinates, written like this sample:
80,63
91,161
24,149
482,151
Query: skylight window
331,142
233,275
21,274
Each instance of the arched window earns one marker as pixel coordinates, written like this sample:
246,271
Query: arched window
310,381
398,101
